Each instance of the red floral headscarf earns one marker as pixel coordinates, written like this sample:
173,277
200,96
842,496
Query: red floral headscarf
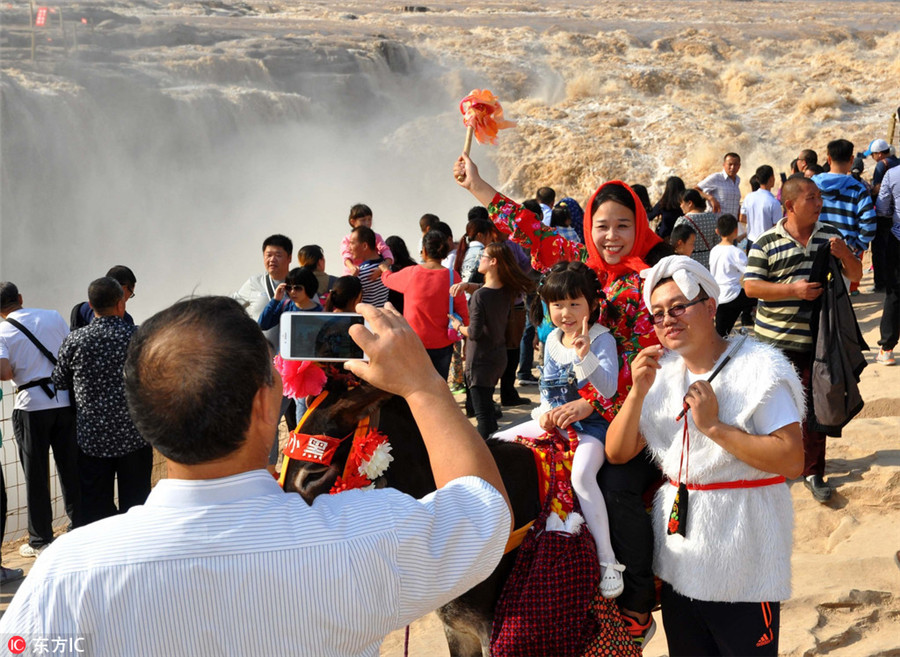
644,239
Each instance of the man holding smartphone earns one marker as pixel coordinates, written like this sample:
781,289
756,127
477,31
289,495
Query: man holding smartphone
220,560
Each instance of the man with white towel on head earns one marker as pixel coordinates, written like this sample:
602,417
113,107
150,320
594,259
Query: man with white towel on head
721,417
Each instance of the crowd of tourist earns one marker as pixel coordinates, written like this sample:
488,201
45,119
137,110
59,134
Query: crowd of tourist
630,310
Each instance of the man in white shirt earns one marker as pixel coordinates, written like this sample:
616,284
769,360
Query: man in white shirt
43,419
220,560
761,210
260,289
722,189
546,196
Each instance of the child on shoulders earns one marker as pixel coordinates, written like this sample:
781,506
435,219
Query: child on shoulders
361,215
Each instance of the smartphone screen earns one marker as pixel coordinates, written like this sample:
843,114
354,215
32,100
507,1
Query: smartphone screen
319,336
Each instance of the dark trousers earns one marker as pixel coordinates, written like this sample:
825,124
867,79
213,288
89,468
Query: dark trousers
630,530
98,475
2,507
881,253
698,628
440,358
37,432
508,378
727,313
813,441
482,398
526,346
890,315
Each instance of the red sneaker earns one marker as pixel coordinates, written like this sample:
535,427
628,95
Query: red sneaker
640,633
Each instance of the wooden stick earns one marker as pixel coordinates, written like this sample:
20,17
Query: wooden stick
468,144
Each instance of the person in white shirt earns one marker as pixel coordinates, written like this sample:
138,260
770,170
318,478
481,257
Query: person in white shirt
259,290
727,263
220,561
42,417
722,190
546,196
761,210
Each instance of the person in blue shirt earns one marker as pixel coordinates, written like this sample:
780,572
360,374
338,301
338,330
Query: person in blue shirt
295,294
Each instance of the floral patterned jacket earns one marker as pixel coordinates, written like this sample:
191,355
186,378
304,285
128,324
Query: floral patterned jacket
633,330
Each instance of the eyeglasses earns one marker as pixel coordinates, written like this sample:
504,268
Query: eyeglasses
290,288
675,311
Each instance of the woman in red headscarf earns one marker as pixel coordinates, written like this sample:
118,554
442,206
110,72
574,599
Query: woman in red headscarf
619,244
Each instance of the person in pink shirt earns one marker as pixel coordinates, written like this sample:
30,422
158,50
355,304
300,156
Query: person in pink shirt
426,299
361,215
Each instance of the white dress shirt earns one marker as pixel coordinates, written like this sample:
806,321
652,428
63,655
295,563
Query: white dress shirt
254,296
235,566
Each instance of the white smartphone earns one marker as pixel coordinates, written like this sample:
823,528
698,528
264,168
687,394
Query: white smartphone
320,336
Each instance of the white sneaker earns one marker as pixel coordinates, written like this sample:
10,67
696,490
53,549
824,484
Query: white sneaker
611,583
885,357
27,551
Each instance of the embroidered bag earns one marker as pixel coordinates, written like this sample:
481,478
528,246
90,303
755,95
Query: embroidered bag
544,606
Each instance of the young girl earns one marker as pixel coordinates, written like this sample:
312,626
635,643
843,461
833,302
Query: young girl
580,351
361,215
618,245
485,335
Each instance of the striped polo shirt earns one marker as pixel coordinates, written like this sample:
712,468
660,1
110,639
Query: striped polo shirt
776,257
373,290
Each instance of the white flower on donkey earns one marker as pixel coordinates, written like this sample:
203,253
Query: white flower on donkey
378,463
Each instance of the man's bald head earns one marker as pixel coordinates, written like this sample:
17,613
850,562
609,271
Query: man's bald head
793,187
191,375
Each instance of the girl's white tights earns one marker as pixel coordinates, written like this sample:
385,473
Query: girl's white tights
589,457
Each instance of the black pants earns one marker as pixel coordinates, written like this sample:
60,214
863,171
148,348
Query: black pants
508,379
697,628
36,433
881,253
727,313
2,507
98,476
482,398
630,530
440,358
890,316
526,346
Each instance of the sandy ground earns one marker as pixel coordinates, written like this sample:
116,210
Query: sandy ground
846,584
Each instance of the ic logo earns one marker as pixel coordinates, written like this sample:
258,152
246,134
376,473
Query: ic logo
16,645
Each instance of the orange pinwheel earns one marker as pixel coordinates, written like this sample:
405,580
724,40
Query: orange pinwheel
483,117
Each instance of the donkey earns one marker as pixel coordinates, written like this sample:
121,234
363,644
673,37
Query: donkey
468,619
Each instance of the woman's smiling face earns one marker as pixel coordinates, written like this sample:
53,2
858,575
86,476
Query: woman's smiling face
613,232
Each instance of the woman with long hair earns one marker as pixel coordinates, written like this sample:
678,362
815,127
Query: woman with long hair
485,334
479,231
619,244
668,208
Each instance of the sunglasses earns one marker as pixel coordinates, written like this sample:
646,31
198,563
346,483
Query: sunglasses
675,311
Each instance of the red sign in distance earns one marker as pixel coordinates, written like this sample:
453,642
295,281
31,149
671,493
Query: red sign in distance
41,18
16,645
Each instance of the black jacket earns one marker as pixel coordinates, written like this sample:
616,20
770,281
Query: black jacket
838,359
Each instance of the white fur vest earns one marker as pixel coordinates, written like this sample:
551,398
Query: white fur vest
738,543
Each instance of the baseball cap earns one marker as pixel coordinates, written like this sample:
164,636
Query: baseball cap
877,146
